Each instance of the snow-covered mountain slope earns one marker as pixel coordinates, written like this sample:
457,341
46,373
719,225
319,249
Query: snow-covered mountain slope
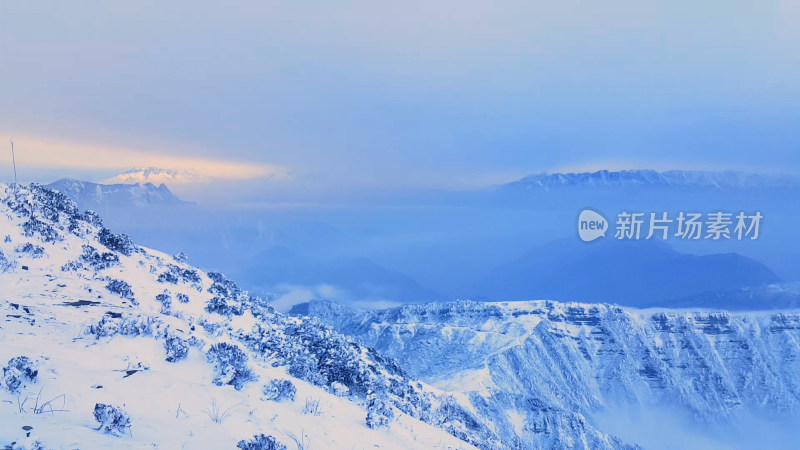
670,178
712,367
105,344
93,195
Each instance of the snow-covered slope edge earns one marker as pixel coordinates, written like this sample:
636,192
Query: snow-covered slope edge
182,358
514,360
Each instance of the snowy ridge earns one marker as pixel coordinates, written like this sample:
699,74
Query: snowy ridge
93,195
714,366
639,178
138,349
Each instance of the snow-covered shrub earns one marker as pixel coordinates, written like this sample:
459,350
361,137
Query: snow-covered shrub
6,264
176,348
114,323
222,286
71,266
7,239
19,372
166,303
456,420
339,389
279,390
221,306
98,260
46,232
180,257
169,276
29,443
182,298
120,243
122,289
48,203
261,442
315,353
305,367
228,298
230,364
33,250
113,420
91,218
379,411
174,274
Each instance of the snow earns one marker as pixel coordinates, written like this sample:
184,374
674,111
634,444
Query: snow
577,360
171,405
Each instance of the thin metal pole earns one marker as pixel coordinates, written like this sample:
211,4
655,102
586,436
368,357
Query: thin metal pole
14,161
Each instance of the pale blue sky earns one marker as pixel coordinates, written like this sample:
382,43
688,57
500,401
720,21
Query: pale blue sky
392,94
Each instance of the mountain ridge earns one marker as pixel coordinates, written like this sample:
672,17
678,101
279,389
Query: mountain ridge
652,178
93,195
712,368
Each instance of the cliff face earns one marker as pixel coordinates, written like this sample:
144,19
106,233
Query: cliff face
517,360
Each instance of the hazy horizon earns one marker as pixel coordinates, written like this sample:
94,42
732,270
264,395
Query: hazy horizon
321,98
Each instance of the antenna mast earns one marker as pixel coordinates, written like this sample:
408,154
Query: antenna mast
14,161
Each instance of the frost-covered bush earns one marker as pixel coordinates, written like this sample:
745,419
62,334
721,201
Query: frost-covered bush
228,298
230,364
456,420
182,298
33,250
279,390
174,274
98,260
180,257
169,276
339,389
19,372
221,306
113,420
120,243
261,442
379,411
113,323
92,218
222,286
48,203
46,232
122,289
317,354
176,348
6,264
166,303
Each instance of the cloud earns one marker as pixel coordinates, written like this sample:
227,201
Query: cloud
41,153
157,175
288,295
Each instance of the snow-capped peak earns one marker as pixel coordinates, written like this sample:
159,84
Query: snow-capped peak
671,178
157,175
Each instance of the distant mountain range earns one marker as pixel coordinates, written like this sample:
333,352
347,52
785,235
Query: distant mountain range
639,178
631,273
360,277
93,195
